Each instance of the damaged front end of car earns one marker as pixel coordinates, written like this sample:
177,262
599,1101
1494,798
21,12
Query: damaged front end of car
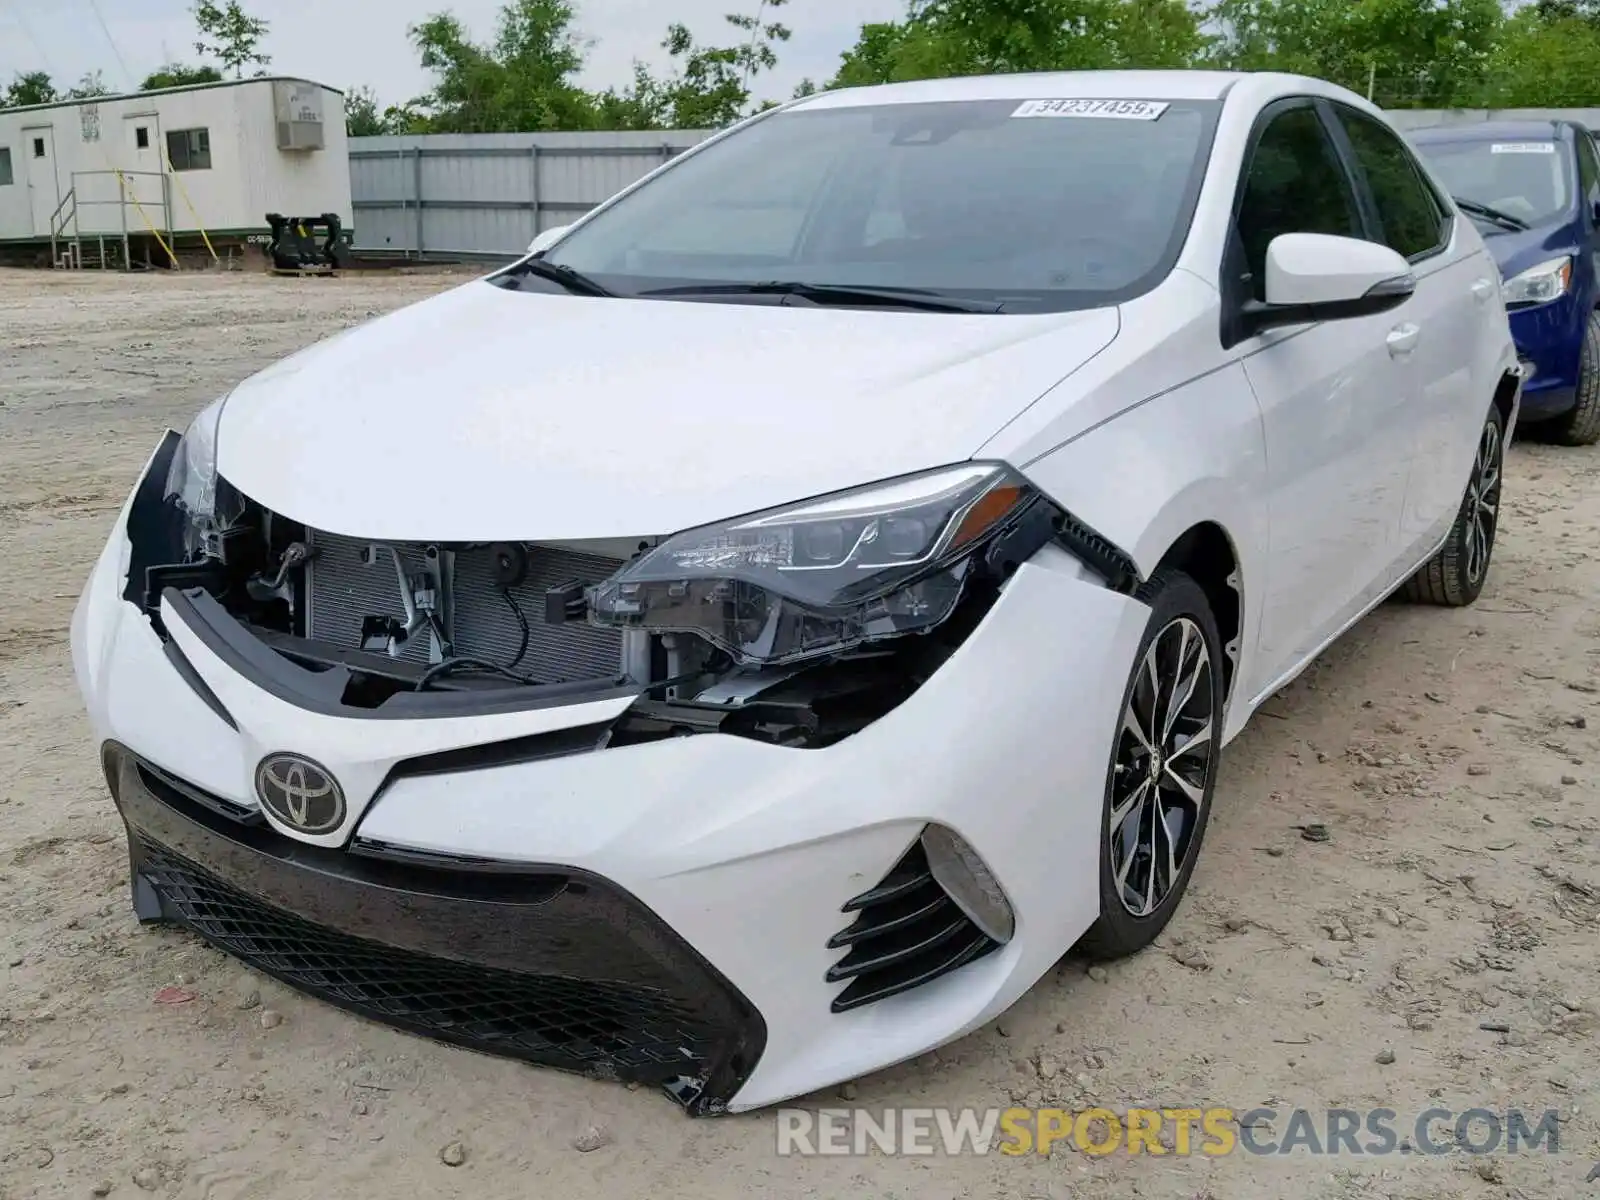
796,626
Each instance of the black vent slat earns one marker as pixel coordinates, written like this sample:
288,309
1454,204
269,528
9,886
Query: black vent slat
974,946
916,906
914,943
896,884
907,932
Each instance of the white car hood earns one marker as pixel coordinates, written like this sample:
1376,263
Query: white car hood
486,415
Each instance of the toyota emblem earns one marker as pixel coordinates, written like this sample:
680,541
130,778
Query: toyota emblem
300,794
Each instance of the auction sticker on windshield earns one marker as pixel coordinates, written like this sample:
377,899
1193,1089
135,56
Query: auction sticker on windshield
1523,148
1121,110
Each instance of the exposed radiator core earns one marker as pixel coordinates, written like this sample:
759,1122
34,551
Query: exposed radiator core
346,590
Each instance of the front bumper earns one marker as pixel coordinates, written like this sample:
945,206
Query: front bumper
705,874
1549,340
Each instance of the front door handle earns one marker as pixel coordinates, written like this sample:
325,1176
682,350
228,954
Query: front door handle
1402,339
1482,290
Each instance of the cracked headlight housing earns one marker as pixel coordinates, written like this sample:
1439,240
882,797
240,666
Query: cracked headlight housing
208,505
1539,285
823,575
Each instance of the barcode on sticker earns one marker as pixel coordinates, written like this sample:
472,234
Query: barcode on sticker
1522,148
1119,110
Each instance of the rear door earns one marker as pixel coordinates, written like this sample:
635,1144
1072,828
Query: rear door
1455,353
1330,396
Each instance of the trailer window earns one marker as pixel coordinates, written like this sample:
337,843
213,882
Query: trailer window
189,149
141,138
38,147
5,166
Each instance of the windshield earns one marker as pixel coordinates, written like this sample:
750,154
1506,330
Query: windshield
1523,179
964,199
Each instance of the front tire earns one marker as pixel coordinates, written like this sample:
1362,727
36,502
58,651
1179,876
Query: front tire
1455,575
1163,769
1580,425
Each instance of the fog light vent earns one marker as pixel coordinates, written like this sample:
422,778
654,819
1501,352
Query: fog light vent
910,929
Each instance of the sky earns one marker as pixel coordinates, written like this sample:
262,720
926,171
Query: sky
349,43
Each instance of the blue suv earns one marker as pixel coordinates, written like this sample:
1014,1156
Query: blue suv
1533,189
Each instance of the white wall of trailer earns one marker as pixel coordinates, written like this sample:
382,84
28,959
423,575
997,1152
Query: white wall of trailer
78,146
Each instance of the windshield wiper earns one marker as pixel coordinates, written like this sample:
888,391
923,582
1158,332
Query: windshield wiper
836,293
1503,219
568,277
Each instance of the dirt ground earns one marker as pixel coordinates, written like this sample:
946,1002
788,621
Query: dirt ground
1438,949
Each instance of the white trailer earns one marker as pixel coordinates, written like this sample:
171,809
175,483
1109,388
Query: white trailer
117,180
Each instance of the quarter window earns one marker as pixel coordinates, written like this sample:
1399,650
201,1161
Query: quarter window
1412,219
189,149
1295,184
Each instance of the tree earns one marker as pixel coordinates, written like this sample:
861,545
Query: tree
34,87
179,75
974,37
710,86
1542,62
91,85
364,118
1423,53
230,34
522,81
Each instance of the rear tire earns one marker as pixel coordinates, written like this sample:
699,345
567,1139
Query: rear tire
1455,575
1163,768
1580,425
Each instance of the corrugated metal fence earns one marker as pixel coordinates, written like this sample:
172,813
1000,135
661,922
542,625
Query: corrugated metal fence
487,195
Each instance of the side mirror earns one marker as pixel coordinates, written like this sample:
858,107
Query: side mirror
1320,277
547,238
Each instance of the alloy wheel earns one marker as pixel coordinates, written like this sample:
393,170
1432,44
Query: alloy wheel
1162,767
1483,501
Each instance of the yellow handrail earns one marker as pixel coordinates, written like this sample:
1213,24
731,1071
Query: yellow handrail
194,212
122,184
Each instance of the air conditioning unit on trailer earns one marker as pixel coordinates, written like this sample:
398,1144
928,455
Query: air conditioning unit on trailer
299,113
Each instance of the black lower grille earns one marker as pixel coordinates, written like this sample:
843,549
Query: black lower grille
907,932
601,1028
548,965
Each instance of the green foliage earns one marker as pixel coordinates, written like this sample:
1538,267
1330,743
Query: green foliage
34,87
976,37
363,117
1545,62
230,34
179,75
1422,53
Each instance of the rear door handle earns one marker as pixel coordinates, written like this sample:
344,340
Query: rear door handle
1482,290
1402,339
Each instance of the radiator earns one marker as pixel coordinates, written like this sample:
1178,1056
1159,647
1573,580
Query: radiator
345,591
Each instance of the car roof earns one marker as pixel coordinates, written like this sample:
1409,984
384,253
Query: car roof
1489,131
1067,85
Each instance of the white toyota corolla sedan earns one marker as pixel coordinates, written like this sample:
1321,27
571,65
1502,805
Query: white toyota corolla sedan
748,641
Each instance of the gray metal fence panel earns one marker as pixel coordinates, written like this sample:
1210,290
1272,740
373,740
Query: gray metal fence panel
488,195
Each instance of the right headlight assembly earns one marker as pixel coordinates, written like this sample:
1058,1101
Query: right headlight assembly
822,575
1540,284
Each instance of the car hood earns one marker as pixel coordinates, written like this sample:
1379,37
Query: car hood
485,414
1514,251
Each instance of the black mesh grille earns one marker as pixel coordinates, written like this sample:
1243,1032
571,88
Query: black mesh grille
907,931
550,965
602,1028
